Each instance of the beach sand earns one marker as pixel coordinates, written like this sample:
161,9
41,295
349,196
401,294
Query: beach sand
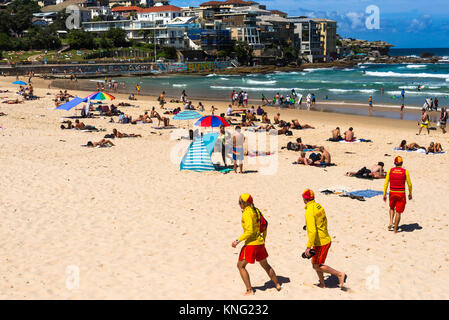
135,227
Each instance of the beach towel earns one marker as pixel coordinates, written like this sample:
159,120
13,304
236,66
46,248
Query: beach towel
368,193
161,128
358,140
318,165
422,151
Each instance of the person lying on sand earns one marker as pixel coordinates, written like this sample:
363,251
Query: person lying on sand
376,172
305,146
118,134
13,101
131,97
81,126
434,148
102,144
411,147
2,114
125,104
265,127
349,135
297,126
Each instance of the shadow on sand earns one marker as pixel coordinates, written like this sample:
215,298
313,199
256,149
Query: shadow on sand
270,284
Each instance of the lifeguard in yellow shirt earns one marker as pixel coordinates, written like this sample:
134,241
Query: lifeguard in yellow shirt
318,238
397,177
254,234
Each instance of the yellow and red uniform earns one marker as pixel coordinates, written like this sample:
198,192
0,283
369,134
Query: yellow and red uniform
397,177
318,237
254,248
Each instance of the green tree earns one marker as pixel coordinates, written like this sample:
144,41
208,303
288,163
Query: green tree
78,39
21,12
118,37
243,52
5,42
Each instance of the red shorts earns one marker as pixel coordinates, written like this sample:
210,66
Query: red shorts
253,253
321,253
397,201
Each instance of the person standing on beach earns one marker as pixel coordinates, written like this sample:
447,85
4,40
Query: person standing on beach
424,121
370,103
319,239
237,148
382,91
403,95
137,88
397,177
224,138
443,119
254,234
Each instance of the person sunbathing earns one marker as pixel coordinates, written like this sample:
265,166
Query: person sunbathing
265,118
246,123
145,118
154,113
125,104
296,125
304,160
336,135
349,135
276,118
410,147
81,126
118,134
2,114
325,158
265,127
102,144
13,101
165,120
434,148
376,172
305,146
284,129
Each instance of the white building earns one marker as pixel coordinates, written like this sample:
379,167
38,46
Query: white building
160,15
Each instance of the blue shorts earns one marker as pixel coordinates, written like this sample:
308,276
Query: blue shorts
237,154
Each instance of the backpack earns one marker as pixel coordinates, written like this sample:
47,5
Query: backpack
263,223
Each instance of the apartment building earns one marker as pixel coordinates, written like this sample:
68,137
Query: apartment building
328,38
308,33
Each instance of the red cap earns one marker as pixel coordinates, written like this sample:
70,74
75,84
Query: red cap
308,195
398,160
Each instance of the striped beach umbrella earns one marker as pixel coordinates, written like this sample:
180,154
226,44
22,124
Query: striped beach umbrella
100,95
187,115
211,121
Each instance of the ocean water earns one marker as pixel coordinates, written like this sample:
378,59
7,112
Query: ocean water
353,85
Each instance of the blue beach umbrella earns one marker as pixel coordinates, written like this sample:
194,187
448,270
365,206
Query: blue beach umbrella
72,103
20,82
187,115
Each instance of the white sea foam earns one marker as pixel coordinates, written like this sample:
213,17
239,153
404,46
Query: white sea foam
211,75
249,81
416,66
262,88
418,93
179,85
353,90
407,75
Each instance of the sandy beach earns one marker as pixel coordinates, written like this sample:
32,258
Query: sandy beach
136,227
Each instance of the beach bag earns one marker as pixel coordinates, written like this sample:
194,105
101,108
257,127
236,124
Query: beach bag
289,133
263,223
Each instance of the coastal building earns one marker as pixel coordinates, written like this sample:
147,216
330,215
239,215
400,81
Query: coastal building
159,15
125,11
308,33
328,38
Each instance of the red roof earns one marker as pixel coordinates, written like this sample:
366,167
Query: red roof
277,12
121,9
218,3
160,9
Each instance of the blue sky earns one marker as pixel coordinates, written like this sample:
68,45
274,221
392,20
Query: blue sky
404,23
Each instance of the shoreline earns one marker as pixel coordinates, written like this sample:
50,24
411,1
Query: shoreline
333,106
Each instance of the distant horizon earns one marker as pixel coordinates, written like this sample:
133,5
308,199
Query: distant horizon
403,23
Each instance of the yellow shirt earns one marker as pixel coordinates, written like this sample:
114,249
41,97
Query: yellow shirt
316,224
251,228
